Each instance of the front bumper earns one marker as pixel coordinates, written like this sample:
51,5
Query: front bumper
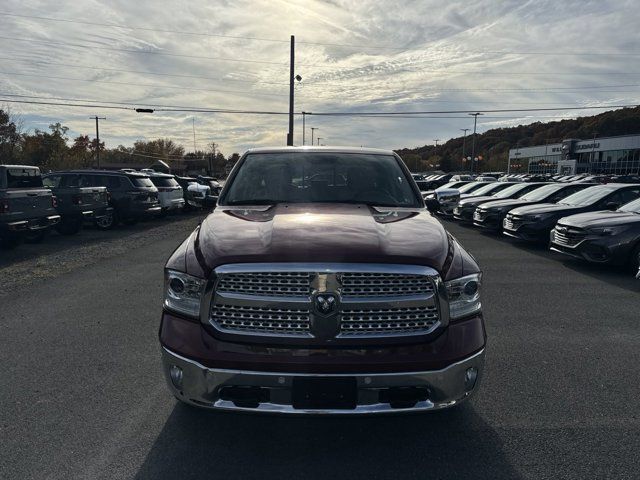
464,215
272,392
595,249
530,231
489,221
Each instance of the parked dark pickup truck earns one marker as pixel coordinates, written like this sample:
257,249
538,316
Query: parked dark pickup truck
321,284
78,201
27,208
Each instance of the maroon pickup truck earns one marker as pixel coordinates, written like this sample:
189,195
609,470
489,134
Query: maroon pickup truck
321,284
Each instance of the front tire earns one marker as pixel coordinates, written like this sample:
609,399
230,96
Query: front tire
108,222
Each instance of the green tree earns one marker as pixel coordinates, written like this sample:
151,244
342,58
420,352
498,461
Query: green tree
9,138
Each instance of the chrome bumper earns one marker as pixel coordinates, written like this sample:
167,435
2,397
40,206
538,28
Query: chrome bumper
201,386
34,224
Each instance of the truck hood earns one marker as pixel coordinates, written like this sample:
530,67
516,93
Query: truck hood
605,218
321,233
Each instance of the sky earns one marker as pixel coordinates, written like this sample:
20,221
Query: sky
352,55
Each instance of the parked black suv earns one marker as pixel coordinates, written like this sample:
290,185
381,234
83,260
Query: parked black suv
133,195
534,223
601,237
491,215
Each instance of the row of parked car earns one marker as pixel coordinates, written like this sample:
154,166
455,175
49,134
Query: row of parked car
599,223
31,203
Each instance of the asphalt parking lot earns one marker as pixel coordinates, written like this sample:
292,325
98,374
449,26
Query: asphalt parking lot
83,396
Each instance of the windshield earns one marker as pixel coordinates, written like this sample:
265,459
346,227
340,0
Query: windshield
509,191
454,184
23,178
471,187
631,207
541,193
298,177
164,182
141,181
489,188
588,196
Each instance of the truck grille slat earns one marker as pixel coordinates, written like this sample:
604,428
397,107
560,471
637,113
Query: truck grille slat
368,303
383,284
267,284
261,319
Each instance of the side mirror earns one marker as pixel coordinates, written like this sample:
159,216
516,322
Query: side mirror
432,205
612,206
210,201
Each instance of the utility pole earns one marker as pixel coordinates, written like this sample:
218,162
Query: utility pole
291,79
98,139
304,128
193,124
313,129
319,138
464,144
473,143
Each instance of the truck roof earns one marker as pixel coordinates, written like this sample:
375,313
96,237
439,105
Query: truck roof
372,151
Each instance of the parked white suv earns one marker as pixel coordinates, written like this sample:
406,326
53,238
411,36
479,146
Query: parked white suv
170,193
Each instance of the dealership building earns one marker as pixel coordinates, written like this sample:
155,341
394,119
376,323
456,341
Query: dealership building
611,155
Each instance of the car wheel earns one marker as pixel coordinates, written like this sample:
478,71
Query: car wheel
107,222
70,227
635,259
35,236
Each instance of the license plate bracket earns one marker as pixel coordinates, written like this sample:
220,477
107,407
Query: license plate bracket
324,393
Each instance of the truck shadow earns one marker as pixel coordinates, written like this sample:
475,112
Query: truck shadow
454,444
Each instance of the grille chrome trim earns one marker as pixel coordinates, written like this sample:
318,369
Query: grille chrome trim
423,289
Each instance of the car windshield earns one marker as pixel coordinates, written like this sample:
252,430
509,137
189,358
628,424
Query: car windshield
489,188
631,207
541,193
509,191
141,181
164,182
326,177
588,196
470,187
23,178
454,184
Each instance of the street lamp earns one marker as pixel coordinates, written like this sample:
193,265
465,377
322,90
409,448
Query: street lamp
473,143
319,138
313,129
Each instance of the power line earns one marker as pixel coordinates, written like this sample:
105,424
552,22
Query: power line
276,40
341,114
146,52
163,74
192,33
139,72
111,82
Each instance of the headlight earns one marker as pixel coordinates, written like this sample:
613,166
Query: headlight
464,295
182,293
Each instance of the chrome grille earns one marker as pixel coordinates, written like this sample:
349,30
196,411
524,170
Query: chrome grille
357,322
266,283
568,237
383,284
513,223
372,300
254,319
480,215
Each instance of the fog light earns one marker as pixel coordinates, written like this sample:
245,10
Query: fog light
470,377
175,373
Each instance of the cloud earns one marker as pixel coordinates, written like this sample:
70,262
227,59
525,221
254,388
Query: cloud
353,55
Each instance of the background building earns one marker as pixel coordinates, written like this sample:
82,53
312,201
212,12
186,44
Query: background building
611,155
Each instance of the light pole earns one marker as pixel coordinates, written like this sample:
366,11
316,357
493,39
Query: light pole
473,143
304,129
464,143
313,129
319,138
98,139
